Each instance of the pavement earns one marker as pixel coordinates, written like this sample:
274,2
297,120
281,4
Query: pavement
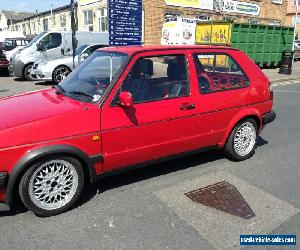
274,75
147,208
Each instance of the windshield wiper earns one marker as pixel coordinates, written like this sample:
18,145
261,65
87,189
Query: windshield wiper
59,89
81,93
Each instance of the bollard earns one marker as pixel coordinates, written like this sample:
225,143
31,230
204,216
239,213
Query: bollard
286,63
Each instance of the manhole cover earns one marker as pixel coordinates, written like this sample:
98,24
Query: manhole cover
223,196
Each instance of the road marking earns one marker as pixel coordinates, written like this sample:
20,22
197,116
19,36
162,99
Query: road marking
222,229
285,83
287,91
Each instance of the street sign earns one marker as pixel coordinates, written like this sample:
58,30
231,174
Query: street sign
125,22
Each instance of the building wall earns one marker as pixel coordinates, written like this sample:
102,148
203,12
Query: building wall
90,5
156,9
290,16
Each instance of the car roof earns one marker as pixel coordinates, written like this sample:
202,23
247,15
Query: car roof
144,48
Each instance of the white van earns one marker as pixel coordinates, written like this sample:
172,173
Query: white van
49,45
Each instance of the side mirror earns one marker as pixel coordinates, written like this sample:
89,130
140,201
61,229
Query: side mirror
125,99
40,46
84,56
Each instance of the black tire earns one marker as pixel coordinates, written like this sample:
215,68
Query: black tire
230,150
27,72
60,73
32,178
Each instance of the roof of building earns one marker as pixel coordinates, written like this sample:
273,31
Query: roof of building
15,15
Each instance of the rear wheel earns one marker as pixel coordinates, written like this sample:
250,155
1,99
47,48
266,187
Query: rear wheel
60,73
52,186
242,140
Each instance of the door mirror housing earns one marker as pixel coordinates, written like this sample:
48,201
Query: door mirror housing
125,99
40,46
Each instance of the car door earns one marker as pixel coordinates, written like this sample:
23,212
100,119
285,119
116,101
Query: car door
52,44
162,119
221,91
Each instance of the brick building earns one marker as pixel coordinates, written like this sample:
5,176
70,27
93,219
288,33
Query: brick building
291,16
272,12
92,15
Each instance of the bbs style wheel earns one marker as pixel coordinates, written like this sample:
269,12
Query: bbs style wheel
242,140
51,186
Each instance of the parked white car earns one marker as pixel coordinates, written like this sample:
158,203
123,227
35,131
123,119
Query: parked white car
57,69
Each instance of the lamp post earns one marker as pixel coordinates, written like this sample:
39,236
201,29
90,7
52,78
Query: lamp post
295,27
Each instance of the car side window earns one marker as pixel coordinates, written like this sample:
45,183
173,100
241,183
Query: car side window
157,78
218,72
51,41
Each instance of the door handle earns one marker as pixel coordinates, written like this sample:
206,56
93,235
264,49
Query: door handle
187,106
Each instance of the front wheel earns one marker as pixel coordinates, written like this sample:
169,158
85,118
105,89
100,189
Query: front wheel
242,140
60,73
52,186
27,73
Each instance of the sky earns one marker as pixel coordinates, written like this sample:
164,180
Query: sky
31,5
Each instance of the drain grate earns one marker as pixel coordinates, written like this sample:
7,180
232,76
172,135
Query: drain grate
222,196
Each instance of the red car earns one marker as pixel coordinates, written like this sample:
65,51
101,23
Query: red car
127,107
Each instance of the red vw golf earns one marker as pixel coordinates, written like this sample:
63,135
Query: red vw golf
126,107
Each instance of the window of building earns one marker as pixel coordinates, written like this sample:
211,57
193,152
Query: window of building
203,18
275,23
88,16
295,2
158,78
218,72
63,22
103,20
45,24
253,21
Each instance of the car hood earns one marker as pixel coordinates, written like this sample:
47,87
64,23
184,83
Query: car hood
45,116
32,106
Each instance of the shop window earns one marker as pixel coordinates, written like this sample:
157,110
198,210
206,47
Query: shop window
88,16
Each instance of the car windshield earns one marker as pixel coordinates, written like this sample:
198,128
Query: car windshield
79,50
90,80
36,38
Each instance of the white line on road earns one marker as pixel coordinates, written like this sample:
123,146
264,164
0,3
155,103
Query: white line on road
285,83
287,91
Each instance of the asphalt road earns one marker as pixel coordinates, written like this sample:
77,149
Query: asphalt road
147,209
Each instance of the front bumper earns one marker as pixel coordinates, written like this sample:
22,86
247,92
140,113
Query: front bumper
41,75
16,68
268,117
3,184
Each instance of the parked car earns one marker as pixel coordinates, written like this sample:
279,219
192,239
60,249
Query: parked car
49,45
297,51
12,45
3,64
127,107
58,69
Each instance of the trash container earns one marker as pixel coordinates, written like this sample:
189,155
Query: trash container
286,63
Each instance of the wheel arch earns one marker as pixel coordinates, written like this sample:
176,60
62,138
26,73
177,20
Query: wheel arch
33,156
249,113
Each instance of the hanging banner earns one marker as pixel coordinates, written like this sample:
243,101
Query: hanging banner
241,7
198,4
